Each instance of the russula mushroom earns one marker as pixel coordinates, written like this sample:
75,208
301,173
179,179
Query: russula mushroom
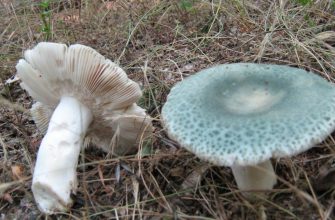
241,115
81,98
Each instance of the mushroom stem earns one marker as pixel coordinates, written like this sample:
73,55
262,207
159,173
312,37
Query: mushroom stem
55,171
258,177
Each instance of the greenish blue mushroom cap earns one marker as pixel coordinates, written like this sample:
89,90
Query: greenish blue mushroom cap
244,114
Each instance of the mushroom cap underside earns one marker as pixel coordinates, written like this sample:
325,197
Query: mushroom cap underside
243,114
50,71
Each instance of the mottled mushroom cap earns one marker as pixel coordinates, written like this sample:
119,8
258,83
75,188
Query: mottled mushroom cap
51,70
243,114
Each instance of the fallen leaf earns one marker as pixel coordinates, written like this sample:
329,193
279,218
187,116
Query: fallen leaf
193,178
17,172
7,197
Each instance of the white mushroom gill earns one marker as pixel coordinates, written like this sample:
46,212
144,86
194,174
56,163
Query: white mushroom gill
55,171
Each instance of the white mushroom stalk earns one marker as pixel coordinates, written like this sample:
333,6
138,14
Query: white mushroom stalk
55,171
255,178
82,98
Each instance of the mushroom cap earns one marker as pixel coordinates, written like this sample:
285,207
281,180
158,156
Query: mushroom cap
244,114
52,70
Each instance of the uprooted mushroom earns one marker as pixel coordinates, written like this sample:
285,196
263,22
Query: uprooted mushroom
82,98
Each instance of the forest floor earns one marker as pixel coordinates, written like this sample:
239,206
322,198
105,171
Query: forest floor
158,43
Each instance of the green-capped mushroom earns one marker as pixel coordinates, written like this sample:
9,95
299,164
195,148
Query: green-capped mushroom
240,115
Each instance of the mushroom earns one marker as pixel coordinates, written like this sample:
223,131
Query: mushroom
240,115
82,98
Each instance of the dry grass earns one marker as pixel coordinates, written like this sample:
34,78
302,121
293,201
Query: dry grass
159,42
